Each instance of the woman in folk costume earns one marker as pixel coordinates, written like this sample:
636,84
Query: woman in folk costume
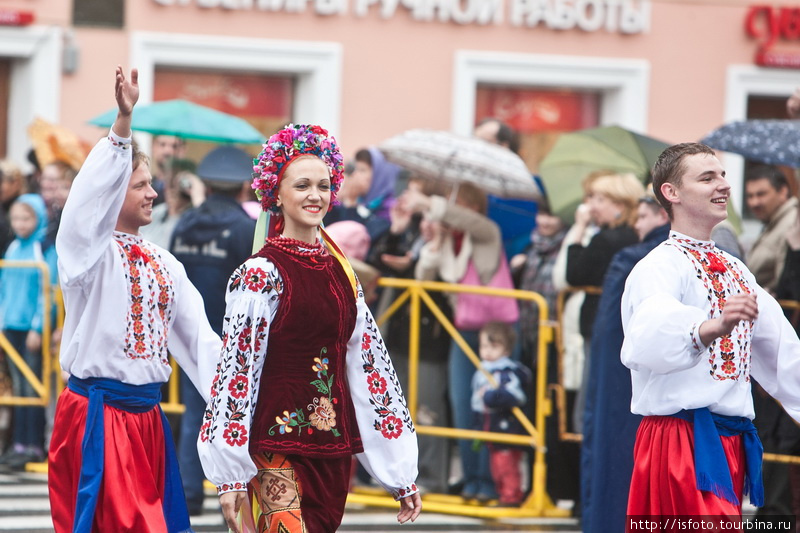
127,302
304,380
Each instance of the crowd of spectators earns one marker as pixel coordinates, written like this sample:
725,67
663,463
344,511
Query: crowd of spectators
392,224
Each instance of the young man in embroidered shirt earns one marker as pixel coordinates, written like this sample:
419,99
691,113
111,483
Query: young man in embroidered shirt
696,327
112,466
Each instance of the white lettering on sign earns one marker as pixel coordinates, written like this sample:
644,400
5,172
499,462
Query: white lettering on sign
613,16
625,16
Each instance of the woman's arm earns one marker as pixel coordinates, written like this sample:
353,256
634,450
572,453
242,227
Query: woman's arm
223,444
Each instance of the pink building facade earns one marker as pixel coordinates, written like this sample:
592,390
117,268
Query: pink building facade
368,69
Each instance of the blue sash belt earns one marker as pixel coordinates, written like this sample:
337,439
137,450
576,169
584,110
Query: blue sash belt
133,399
710,463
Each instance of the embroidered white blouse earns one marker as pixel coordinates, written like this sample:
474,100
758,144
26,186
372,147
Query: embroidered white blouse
127,300
669,293
387,433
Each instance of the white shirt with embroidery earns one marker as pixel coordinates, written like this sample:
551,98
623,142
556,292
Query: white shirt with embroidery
667,296
387,432
127,300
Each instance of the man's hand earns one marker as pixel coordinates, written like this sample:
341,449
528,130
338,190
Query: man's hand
126,92
398,263
230,503
415,201
793,104
410,507
33,342
737,308
400,216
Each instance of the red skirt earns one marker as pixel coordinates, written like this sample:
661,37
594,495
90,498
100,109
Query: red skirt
132,491
663,481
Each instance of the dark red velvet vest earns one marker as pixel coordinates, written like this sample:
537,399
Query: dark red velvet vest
304,405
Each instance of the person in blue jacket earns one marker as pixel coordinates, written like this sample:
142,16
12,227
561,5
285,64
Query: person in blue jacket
211,241
609,427
22,319
492,405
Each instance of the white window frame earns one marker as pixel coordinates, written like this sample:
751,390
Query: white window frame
316,67
623,83
35,83
743,81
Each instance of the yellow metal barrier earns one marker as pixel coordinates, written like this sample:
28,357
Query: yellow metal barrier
41,386
538,502
559,392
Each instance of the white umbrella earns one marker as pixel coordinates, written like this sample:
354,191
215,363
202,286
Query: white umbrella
442,155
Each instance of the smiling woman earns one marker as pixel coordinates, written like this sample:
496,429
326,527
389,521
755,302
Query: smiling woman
293,398
304,197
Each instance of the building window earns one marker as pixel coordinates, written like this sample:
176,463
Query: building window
263,100
105,13
538,115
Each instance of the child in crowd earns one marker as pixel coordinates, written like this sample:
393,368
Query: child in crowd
492,406
21,318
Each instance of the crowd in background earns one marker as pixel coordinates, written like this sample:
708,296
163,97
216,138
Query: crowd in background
393,224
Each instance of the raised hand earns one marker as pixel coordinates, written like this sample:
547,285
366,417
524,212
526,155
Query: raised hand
126,92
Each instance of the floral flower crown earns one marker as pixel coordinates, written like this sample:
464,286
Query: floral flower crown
286,146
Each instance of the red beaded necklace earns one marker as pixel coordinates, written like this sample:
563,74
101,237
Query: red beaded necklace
296,247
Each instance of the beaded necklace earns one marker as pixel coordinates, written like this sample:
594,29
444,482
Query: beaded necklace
296,247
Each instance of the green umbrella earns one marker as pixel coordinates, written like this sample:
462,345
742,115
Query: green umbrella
579,153
187,120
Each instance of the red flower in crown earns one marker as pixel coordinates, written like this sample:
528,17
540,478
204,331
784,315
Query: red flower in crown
714,263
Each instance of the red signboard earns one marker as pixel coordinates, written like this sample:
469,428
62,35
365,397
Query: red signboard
534,110
13,17
770,24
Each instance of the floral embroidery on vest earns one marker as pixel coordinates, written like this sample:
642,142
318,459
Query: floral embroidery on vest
729,355
151,296
389,422
322,414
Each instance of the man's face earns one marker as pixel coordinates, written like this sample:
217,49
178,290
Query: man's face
137,209
702,197
648,218
763,199
50,182
165,149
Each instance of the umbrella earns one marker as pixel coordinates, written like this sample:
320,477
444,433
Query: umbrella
576,154
442,155
187,120
775,142
52,142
